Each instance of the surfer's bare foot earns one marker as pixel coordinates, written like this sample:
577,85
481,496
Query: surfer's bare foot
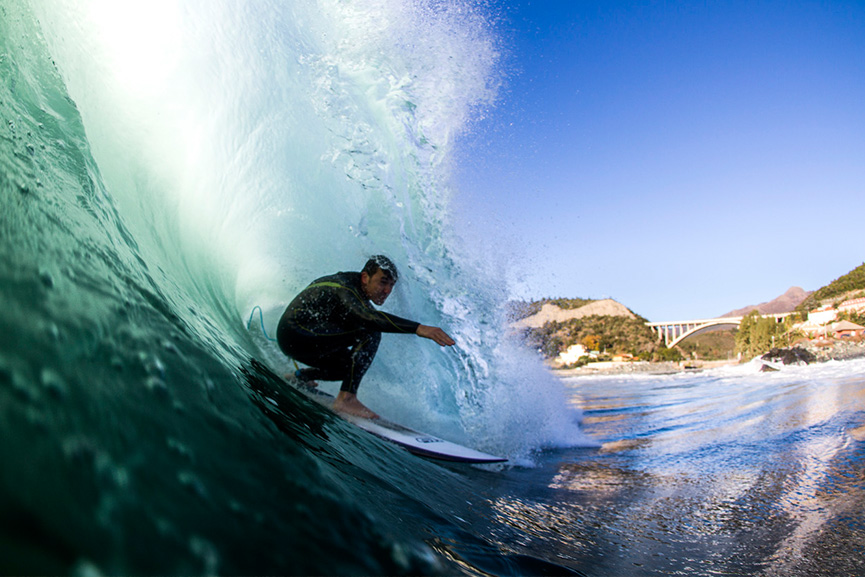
347,403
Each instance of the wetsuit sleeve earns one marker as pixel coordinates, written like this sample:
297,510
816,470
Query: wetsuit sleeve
373,319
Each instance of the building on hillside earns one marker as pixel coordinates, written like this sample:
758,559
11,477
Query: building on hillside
852,306
828,313
809,329
572,355
821,316
838,330
846,330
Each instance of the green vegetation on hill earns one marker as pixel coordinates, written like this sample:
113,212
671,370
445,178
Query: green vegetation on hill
710,346
521,309
845,286
853,317
613,335
570,304
758,334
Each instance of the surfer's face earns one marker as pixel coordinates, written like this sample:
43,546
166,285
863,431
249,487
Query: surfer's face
377,287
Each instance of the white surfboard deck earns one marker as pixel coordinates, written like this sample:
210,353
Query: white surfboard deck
415,442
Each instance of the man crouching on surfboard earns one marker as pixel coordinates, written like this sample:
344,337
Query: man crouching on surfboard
332,327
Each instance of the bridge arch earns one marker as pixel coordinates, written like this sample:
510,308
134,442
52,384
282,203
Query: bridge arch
674,332
695,330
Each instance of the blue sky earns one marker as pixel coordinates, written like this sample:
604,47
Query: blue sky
684,158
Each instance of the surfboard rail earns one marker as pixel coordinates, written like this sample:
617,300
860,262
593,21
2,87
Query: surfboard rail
415,442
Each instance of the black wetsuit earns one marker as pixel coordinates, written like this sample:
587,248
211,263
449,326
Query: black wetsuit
332,327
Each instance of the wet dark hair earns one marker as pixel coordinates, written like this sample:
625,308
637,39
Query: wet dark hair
381,262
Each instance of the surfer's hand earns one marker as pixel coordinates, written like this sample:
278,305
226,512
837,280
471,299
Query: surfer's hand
435,334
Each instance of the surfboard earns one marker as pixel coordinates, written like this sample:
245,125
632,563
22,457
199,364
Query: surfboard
415,442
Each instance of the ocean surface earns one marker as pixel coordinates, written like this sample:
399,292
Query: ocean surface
172,173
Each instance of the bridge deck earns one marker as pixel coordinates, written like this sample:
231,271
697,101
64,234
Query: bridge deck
674,332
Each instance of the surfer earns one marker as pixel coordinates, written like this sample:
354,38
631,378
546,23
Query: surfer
332,327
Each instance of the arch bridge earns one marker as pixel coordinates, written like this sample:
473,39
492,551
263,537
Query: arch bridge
674,332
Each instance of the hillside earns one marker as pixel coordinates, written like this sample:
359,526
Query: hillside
522,309
610,327
553,325
550,312
785,303
851,285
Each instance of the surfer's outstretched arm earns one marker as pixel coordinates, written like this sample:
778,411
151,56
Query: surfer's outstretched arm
436,334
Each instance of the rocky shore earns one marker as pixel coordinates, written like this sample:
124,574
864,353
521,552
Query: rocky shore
806,353
838,350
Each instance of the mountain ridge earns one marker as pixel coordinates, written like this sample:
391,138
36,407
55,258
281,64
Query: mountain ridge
786,303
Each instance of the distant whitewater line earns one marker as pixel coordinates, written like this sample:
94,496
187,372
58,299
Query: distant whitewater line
550,312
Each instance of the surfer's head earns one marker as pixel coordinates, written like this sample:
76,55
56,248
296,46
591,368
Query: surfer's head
377,278
380,262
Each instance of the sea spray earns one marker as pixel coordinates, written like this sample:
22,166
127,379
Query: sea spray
252,148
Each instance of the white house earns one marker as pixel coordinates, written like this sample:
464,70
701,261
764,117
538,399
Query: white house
572,355
819,318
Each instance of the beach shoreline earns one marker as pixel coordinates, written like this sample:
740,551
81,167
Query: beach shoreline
640,367
823,352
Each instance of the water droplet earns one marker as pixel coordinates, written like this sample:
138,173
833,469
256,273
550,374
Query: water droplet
157,386
189,480
180,448
86,568
79,449
46,279
53,383
206,551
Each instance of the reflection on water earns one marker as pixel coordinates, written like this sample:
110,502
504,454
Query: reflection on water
733,473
